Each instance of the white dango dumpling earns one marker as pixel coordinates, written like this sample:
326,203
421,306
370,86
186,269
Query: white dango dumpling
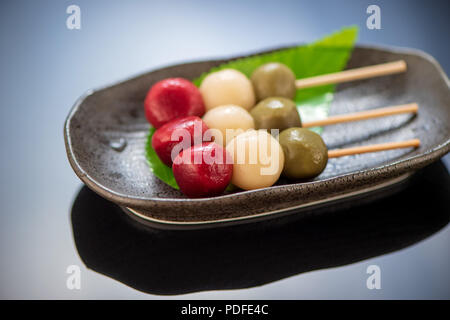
227,86
229,121
258,159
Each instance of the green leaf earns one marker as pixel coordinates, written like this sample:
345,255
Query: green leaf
158,168
327,55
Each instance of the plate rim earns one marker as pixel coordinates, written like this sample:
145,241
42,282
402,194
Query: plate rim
201,224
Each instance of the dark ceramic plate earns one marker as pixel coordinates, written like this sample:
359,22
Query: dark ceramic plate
105,135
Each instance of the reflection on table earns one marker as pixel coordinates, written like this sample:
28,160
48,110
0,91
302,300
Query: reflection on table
176,262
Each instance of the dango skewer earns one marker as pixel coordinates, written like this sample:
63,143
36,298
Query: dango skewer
177,97
303,155
353,74
276,79
364,115
281,113
306,154
413,143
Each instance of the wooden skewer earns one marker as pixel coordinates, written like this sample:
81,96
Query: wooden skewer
414,143
353,74
362,115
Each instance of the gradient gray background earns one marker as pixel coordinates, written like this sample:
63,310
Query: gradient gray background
45,67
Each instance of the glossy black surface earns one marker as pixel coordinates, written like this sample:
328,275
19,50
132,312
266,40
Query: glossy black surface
178,262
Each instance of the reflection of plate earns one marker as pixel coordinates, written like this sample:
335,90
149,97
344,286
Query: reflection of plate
105,136
170,262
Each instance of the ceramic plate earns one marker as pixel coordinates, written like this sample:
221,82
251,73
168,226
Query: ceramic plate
106,131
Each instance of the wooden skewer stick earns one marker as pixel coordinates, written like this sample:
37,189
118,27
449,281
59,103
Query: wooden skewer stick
414,143
353,74
362,115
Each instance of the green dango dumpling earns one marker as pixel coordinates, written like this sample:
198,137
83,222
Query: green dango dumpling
276,113
305,153
273,80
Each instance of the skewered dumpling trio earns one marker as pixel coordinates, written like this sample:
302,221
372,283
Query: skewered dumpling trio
249,134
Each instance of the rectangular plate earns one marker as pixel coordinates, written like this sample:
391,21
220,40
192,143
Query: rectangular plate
115,114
